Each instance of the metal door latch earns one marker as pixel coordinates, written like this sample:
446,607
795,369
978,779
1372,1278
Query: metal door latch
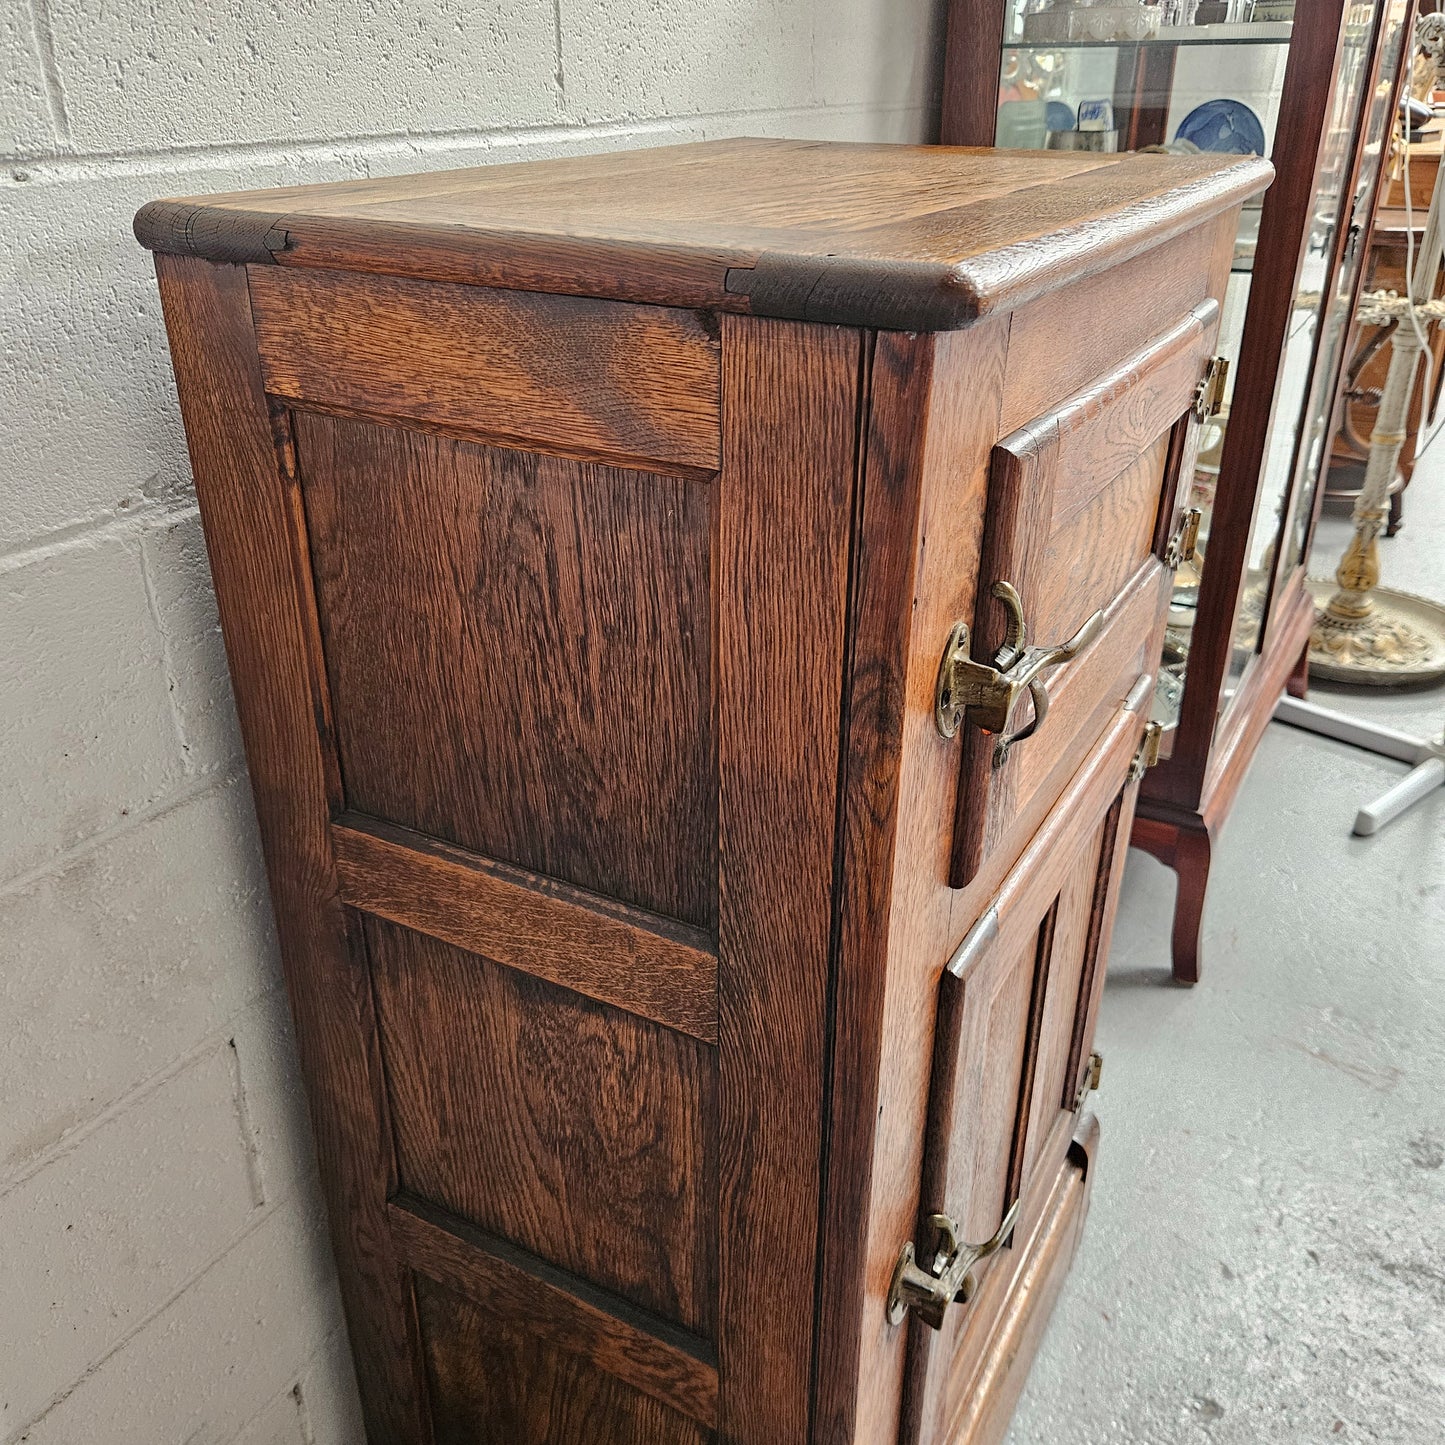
1148,753
1209,394
985,693
1092,1077
929,1292
1185,542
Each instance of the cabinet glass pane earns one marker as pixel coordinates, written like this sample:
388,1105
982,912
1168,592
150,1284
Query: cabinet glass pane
1213,86
1314,328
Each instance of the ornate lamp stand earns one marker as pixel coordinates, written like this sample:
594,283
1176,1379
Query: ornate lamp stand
1365,633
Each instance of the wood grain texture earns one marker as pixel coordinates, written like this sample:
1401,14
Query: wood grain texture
582,1134
519,649
599,380
1075,499
901,237
264,618
932,418
641,1350
982,1401
650,966
784,525
971,71
494,1382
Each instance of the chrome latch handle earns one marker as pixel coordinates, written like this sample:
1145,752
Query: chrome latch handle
929,1291
986,693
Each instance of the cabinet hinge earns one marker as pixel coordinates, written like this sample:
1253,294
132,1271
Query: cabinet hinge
1148,753
1185,541
1092,1076
929,1291
1209,394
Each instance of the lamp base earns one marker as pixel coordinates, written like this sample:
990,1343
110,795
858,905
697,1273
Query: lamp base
1400,642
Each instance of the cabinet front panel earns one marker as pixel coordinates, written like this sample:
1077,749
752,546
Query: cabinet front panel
1080,502
519,655
583,1134
494,1382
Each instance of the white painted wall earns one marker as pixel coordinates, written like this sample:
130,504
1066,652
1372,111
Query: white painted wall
164,1275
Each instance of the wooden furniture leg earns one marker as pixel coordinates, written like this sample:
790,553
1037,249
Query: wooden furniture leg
1188,851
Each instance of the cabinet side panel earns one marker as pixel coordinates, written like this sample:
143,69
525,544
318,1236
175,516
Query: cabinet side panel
784,519
519,655
496,1383
270,646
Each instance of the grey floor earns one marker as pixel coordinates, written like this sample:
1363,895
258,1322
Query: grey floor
1264,1260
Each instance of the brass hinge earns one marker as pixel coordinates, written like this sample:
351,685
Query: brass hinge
1148,753
1209,394
1185,542
1092,1075
929,1292
986,693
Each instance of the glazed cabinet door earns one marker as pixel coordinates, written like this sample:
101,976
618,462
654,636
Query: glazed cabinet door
1083,505
1012,1067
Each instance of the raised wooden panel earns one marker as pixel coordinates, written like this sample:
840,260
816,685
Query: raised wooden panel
583,1134
651,966
648,1353
519,653
596,379
495,1382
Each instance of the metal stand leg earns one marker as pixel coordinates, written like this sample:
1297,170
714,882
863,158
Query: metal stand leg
1428,757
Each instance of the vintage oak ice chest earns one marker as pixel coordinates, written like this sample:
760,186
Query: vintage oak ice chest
692,615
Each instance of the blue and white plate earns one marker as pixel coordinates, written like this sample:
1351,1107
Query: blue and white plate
1058,116
1226,127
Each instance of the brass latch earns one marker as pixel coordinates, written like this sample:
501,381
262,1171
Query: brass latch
1092,1075
929,1292
1185,542
1148,753
986,693
1209,394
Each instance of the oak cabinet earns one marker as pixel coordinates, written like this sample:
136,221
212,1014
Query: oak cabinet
693,866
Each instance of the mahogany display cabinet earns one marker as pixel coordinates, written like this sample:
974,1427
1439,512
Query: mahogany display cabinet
692,615
1316,94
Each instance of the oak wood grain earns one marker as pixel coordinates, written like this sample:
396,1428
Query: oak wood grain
631,385
519,649
784,526
650,966
914,238
265,621
642,1350
495,1382
585,1135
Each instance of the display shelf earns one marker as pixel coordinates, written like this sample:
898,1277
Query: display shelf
1263,33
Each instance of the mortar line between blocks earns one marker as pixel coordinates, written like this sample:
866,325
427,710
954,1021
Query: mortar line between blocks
44,33
137,520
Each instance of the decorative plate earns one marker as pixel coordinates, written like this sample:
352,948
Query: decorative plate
1226,127
1058,116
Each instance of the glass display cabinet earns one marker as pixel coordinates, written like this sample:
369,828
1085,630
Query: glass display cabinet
1314,86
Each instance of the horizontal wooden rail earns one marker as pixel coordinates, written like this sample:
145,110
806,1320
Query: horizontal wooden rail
646,1352
654,967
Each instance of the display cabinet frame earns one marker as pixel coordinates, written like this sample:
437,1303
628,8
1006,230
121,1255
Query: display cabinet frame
1185,800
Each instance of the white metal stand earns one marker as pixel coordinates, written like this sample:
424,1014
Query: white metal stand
1428,758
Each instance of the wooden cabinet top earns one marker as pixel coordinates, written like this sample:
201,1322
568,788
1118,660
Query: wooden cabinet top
918,238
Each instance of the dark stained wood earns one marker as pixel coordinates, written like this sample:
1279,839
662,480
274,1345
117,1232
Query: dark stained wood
971,71
784,525
631,385
642,1350
650,966
519,651
626,836
494,1382
264,614
582,1134
913,238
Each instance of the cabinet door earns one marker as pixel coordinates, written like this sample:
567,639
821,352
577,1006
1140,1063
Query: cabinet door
1082,503
1015,1023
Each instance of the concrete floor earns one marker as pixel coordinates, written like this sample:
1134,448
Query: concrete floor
1264,1260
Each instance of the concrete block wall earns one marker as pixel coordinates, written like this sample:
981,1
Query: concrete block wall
164,1274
